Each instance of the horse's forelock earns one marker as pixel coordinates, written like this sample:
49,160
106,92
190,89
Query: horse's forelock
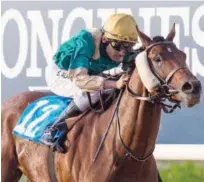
158,38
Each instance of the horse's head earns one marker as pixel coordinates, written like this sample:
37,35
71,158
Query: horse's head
168,66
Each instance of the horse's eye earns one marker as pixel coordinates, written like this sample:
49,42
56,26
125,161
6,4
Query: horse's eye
157,58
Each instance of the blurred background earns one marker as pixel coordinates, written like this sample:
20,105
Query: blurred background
32,32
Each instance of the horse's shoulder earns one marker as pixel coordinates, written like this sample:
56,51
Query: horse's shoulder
91,121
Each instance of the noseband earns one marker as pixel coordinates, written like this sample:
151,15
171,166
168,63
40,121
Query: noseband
165,91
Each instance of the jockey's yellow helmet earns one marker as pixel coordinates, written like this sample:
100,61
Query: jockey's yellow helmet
121,27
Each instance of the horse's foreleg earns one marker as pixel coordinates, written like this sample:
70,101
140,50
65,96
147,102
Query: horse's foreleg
33,160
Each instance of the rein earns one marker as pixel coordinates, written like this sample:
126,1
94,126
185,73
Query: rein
128,152
158,98
165,92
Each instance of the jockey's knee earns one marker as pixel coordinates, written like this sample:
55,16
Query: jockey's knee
82,101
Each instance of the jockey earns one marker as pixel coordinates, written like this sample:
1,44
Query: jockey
78,63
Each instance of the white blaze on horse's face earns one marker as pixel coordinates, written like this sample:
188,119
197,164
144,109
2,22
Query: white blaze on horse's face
169,49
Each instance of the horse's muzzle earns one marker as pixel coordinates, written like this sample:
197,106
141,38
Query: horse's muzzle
191,87
190,93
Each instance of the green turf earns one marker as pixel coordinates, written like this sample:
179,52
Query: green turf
183,172
177,171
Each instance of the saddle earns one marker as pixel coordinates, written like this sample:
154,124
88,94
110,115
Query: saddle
104,102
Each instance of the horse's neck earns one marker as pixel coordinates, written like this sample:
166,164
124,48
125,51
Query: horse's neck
139,120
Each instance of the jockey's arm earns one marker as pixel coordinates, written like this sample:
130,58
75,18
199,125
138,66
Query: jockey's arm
86,82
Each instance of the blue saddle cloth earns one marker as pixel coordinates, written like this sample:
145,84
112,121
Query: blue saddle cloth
38,116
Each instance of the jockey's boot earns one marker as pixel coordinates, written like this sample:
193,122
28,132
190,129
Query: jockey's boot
55,135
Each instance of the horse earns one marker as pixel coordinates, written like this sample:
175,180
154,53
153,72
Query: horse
126,153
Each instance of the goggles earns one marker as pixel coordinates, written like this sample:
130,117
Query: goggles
119,45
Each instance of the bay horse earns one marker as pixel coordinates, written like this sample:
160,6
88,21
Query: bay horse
127,153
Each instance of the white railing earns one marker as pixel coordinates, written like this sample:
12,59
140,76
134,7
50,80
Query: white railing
179,152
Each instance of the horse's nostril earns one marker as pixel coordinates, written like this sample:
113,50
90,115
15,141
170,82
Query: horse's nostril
192,87
187,87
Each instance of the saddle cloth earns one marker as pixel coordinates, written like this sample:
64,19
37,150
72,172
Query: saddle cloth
39,115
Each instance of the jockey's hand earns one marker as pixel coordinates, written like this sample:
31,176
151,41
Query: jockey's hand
119,74
122,81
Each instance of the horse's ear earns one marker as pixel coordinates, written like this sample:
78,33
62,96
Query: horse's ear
172,33
146,41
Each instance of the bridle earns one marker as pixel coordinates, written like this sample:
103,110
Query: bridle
165,91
